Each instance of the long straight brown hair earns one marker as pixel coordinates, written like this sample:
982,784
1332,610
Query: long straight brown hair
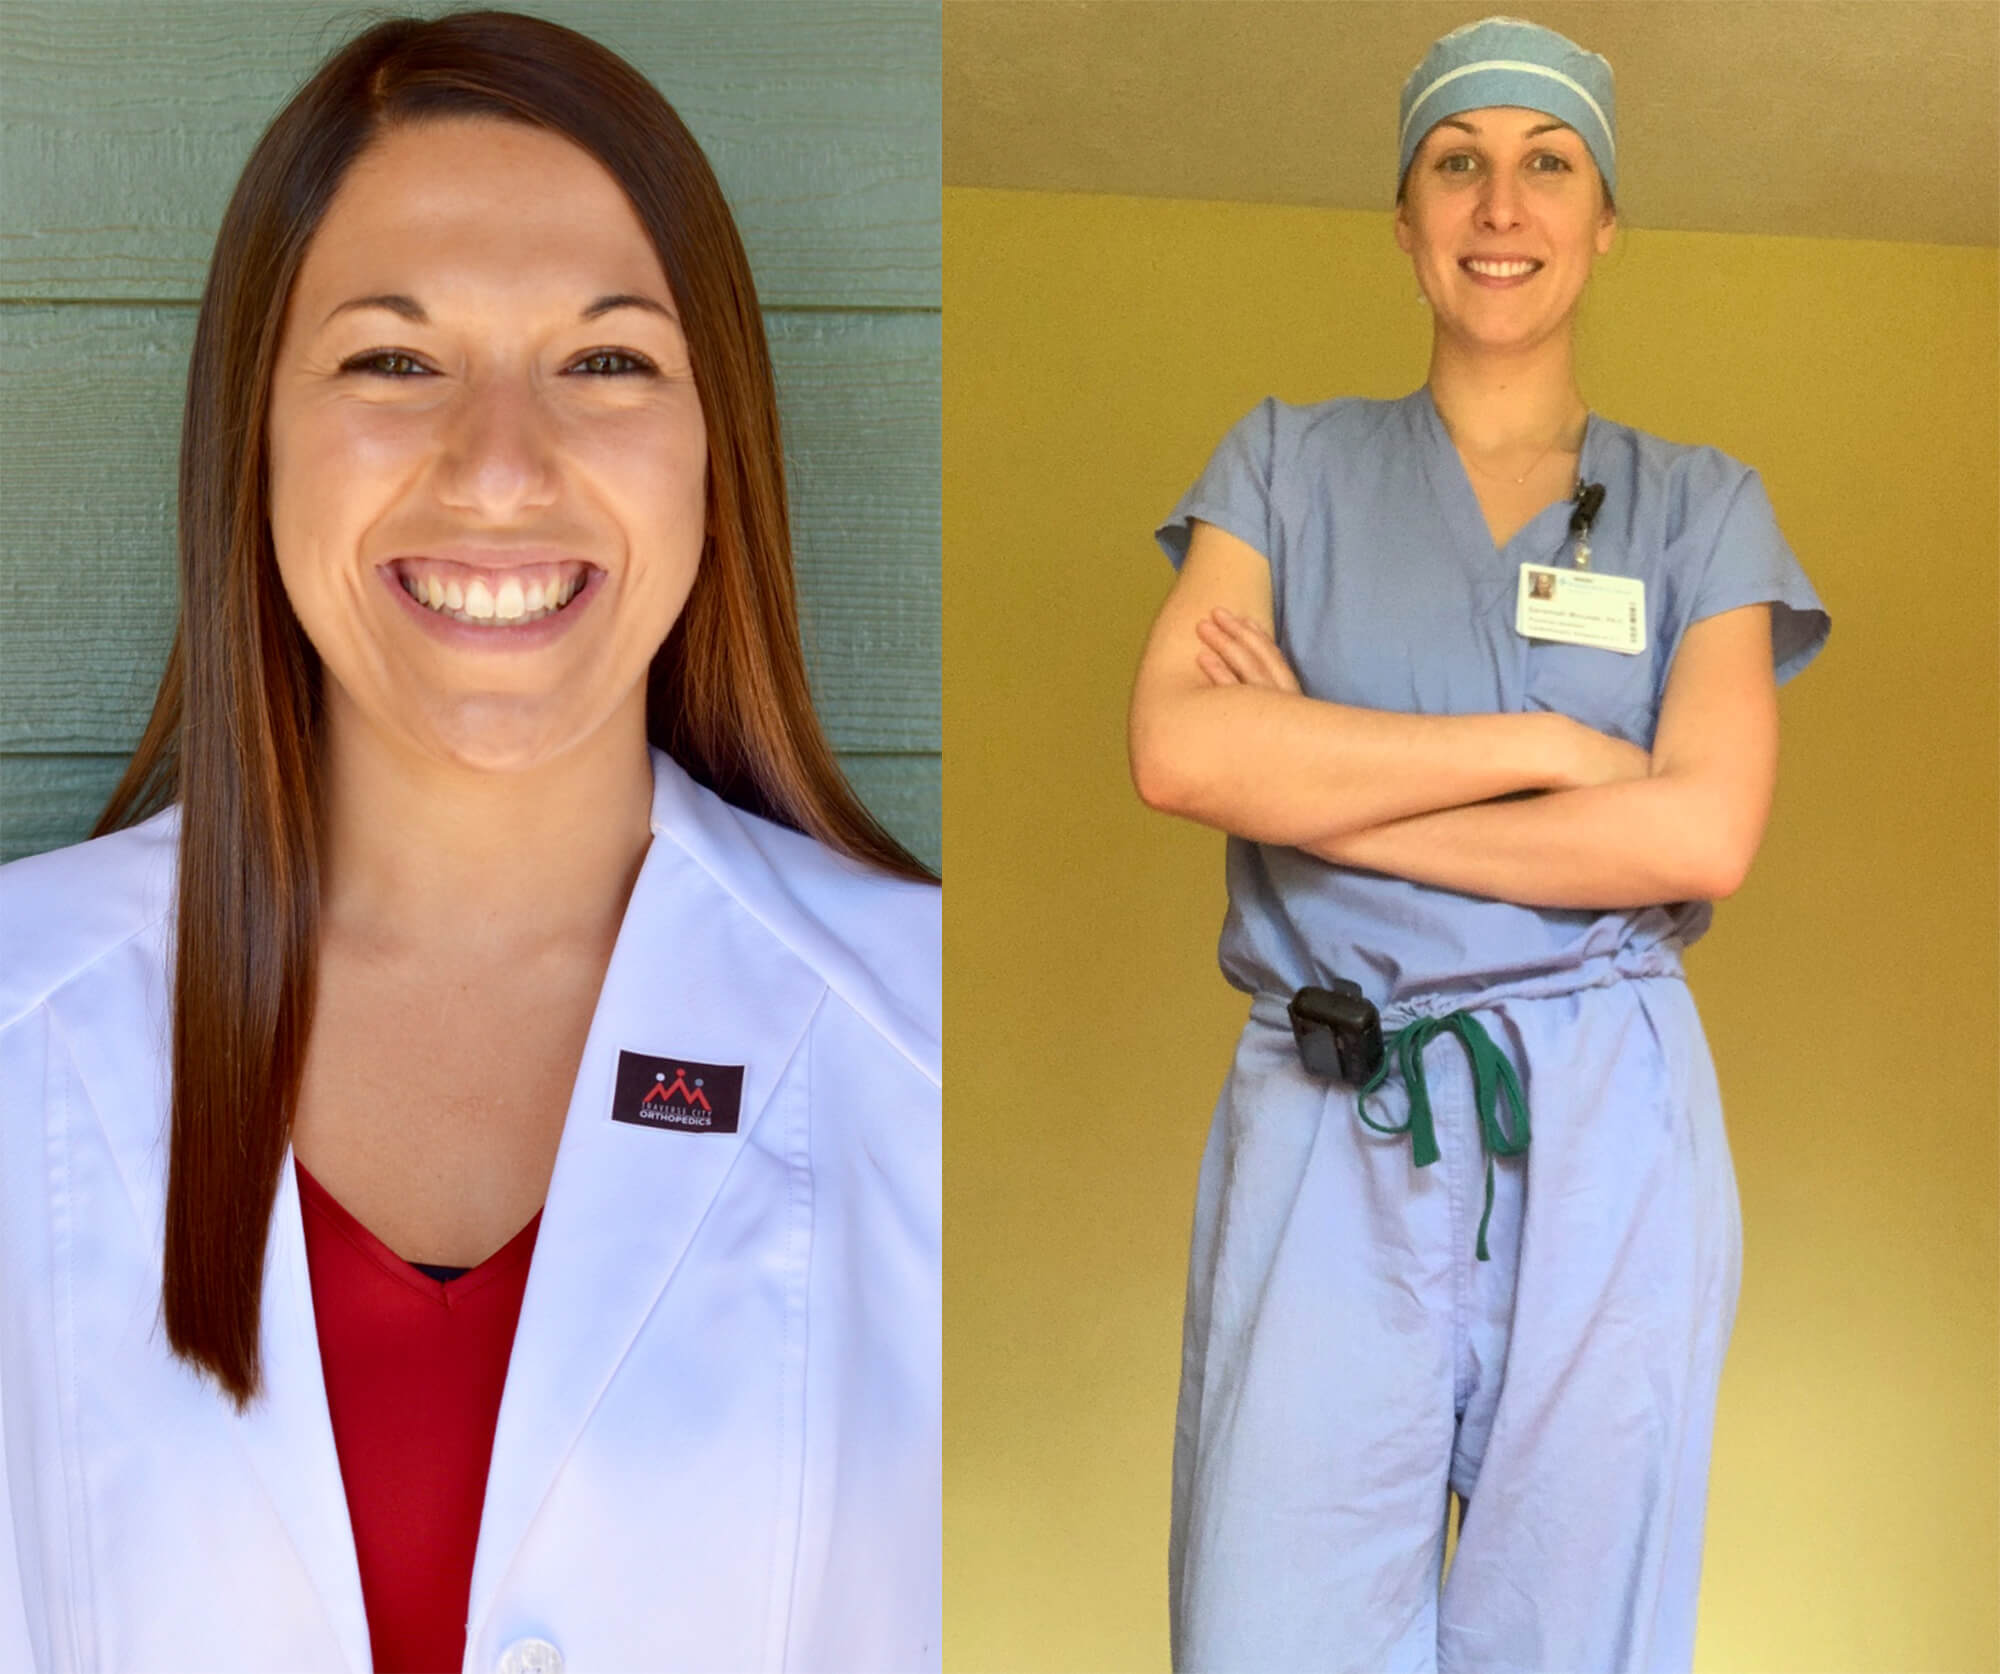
234,734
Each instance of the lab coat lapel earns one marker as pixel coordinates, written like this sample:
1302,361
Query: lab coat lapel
289,1430
287,1433
694,973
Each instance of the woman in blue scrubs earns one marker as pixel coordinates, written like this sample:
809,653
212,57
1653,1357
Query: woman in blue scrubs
1482,686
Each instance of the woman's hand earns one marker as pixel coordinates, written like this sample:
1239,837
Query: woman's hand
1238,652
1597,758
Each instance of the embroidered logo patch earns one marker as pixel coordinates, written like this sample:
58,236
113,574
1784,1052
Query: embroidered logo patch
677,1093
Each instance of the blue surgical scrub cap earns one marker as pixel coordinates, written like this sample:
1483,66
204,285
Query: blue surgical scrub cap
1506,61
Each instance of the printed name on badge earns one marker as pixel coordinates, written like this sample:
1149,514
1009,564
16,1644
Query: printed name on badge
677,1093
1582,607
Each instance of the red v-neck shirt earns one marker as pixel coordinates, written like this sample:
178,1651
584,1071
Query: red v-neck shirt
414,1370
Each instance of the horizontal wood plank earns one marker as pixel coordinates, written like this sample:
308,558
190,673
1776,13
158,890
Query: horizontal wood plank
49,801
88,441
906,793
127,124
860,396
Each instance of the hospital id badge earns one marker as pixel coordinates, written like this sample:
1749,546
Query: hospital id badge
1582,607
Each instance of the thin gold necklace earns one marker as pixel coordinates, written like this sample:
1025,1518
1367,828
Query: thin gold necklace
1530,471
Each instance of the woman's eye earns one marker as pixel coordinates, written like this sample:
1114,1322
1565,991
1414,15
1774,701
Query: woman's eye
375,363
1457,162
391,363
1547,162
633,363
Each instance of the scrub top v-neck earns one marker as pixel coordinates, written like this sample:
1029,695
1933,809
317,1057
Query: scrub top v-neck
1389,593
1542,539
414,1370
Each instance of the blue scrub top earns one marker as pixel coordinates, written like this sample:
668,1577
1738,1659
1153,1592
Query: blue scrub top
1388,593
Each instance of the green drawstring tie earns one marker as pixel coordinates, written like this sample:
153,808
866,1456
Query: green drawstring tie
1491,1075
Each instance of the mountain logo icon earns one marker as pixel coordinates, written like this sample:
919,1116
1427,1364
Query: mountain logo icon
689,1096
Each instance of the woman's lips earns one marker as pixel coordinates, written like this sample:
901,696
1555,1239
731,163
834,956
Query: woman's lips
481,597
1499,272
496,610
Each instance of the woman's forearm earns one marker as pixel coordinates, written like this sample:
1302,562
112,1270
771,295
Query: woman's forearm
1220,731
1687,831
1635,844
1278,767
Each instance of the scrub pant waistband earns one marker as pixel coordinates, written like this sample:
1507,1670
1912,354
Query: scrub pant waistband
1269,1008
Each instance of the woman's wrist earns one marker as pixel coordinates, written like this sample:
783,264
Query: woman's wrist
1572,756
1551,757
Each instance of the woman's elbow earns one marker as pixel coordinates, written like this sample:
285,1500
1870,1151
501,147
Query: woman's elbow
1723,866
1165,750
1716,882
1158,774
1714,831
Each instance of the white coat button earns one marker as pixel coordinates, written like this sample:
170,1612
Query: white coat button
530,1656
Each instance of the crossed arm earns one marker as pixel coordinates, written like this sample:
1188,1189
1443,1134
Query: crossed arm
1220,733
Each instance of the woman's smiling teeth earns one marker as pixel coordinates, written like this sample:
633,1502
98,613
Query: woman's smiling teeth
1491,268
506,601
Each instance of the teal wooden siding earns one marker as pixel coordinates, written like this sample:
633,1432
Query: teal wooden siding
123,126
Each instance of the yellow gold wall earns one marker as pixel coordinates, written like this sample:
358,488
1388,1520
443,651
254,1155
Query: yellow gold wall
1095,350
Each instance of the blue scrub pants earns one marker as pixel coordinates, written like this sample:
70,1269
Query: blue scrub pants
1346,1356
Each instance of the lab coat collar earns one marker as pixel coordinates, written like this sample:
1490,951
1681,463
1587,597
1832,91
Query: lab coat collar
824,907
698,970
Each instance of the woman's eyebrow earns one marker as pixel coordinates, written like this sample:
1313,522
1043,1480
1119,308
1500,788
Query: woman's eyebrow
624,299
412,310
1469,128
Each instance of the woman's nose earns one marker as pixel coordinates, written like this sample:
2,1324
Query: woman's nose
1499,206
499,448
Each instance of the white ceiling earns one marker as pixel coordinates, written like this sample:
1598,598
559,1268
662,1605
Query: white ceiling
1873,119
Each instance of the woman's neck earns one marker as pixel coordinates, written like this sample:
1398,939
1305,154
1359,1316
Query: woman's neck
1498,406
423,853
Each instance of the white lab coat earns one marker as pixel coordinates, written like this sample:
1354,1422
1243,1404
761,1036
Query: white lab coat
719,1446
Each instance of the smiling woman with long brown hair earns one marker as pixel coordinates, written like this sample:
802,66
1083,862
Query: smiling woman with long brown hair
431,1136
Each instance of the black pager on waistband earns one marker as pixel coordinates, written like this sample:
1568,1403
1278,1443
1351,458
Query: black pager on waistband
1338,1031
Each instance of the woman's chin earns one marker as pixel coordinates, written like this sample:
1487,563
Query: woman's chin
1505,331
498,735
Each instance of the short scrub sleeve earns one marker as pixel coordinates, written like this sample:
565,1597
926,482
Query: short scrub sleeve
1749,563
1234,490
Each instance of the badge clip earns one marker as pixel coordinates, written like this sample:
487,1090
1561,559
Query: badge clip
1589,497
